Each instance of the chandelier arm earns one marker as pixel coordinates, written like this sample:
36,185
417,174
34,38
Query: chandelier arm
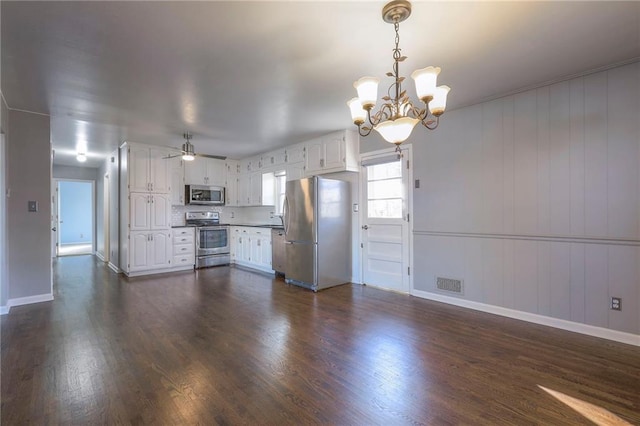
366,133
430,125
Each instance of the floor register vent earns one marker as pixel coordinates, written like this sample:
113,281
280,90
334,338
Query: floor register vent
450,285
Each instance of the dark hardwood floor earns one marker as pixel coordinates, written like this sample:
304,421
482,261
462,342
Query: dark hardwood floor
228,346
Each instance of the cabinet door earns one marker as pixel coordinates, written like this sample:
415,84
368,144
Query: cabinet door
246,246
314,156
265,251
295,154
256,250
139,169
231,191
333,152
160,249
244,190
160,211
255,189
139,206
138,251
274,158
216,172
195,171
295,171
159,176
233,245
177,182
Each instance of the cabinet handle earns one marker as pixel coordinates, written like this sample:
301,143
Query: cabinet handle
259,241
184,249
152,186
152,199
322,162
151,237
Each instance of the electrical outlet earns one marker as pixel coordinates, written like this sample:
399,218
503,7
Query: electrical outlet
616,303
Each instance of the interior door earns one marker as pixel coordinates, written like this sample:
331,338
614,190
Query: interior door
55,219
385,224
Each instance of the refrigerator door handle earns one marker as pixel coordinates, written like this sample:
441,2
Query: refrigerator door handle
285,215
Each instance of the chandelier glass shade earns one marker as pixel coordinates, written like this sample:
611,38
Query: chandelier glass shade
397,116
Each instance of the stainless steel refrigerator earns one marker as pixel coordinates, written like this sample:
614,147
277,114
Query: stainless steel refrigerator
317,225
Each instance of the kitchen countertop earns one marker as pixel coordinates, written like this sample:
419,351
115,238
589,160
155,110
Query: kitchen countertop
236,224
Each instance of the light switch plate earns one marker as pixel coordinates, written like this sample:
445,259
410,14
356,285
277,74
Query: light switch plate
355,207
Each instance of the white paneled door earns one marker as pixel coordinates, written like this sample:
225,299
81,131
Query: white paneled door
385,224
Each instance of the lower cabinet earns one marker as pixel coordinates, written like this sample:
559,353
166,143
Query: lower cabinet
184,249
150,250
251,247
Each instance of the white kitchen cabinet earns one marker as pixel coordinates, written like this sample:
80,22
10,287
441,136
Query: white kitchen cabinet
184,257
145,209
148,169
149,211
231,183
252,247
177,181
149,250
295,153
295,171
205,171
335,152
256,189
274,158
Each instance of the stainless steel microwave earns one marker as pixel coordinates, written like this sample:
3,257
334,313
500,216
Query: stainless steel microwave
204,195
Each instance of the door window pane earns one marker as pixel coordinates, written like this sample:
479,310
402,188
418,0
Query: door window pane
384,190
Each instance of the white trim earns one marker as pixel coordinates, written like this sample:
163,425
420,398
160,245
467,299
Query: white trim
114,268
591,330
5,104
552,238
27,111
100,256
47,297
4,310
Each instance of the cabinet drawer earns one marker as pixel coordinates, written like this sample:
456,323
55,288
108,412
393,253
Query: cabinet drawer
180,249
184,259
183,232
182,239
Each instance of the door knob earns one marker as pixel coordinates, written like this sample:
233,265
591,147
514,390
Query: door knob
365,227
53,229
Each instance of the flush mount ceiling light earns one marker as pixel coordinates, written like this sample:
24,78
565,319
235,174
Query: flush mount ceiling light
188,154
397,116
81,157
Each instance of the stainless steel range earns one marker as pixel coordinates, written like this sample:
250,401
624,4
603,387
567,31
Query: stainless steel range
212,239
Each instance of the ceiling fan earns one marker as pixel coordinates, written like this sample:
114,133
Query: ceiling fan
188,151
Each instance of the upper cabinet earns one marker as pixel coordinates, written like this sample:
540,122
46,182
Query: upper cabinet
294,154
205,171
176,165
335,152
148,169
231,183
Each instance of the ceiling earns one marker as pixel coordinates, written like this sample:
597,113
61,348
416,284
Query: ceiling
246,77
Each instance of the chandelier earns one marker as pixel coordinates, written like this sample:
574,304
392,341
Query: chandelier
397,116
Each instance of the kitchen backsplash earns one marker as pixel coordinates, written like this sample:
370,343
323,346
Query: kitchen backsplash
230,215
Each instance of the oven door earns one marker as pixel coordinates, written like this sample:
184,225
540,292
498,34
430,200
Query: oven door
212,240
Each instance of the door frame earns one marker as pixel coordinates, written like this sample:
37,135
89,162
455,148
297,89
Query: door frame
56,183
106,201
407,154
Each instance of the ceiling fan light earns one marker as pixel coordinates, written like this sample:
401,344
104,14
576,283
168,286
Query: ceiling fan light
425,80
358,114
439,102
81,157
187,152
398,130
367,88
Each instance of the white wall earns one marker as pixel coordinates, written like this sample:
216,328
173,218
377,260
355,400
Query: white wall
28,233
534,200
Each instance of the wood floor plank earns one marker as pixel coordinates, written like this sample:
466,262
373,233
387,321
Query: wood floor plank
228,346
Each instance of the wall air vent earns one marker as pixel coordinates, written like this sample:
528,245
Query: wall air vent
450,285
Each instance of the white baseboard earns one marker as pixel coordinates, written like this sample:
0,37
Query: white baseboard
590,330
100,256
4,310
29,300
114,268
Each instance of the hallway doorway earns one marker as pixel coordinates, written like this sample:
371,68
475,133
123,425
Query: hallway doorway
75,230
